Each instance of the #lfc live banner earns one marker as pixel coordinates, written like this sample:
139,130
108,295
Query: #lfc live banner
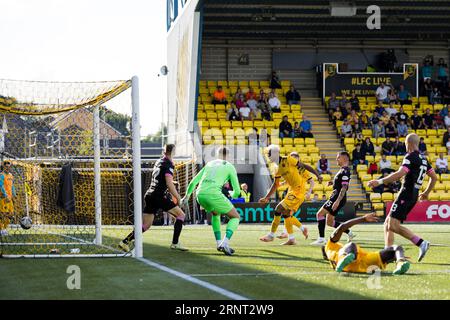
366,83
427,211
254,212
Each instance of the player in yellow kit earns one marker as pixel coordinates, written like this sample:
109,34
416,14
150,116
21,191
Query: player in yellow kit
7,193
352,258
295,174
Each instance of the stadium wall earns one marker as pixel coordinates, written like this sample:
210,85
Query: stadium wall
182,61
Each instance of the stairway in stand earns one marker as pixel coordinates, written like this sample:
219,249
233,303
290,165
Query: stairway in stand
329,144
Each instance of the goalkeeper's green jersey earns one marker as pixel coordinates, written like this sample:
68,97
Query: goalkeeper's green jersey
212,178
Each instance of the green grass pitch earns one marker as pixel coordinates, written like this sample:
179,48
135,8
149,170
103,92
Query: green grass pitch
257,270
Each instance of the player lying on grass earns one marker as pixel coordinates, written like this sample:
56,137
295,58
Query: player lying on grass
210,181
414,168
338,199
295,174
351,258
162,195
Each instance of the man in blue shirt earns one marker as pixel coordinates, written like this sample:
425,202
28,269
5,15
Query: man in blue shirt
306,127
404,95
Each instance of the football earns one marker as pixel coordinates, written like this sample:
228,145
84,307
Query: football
26,222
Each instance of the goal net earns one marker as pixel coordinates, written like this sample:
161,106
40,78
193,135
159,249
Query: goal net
71,163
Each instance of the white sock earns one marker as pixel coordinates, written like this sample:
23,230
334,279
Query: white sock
225,241
302,228
271,234
320,238
218,242
291,237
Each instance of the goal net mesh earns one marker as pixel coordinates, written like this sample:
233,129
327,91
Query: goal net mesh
48,135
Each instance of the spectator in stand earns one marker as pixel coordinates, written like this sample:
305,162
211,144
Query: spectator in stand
251,94
274,92
286,130
402,129
353,118
377,127
444,111
390,129
392,96
364,120
403,96
441,164
324,197
233,113
442,73
333,105
358,156
306,127
237,95
416,121
382,93
357,132
422,147
385,165
446,137
367,147
219,96
399,147
265,113
401,116
240,102
293,96
323,165
346,110
438,120
337,116
346,130
315,198
246,113
447,121
354,101
435,96
344,101
385,118
263,101
253,105
391,111
297,130
275,81
387,147
379,109
428,119
428,88
274,103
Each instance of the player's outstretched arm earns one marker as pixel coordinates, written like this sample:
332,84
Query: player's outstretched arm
234,182
389,179
433,179
336,235
311,187
193,184
272,190
312,170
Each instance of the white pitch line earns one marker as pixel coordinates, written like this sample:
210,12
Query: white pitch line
190,278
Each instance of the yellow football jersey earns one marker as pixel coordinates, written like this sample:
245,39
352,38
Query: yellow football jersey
294,176
364,260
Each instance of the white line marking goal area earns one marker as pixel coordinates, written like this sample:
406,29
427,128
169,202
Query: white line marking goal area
190,278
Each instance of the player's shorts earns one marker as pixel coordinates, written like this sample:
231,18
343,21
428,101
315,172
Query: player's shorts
402,205
153,203
6,207
328,205
293,201
216,202
369,261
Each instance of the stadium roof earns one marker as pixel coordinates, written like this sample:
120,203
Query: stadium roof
311,19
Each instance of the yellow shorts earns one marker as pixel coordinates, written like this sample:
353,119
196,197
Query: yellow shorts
293,201
369,260
6,207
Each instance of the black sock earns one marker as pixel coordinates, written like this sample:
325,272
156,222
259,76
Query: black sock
419,242
321,226
177,230
337,224
129,237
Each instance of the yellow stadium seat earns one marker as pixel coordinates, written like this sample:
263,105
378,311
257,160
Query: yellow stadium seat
387,196
296,108
310,141
203,124
440,149
203,90
222,115
366,177
315,158
247,124
201,115
236,124
313,150
431,133
225,124
440,186
233,83
208,107
264,83
326,177
285,83
285,108
318,187
222,83
258,124
288,141
278,116
378,206
361,167
375,197
243,83
253,84
445,177
444,196
421,132
370,159
349,141
211,115
214,124
220,107
433,196
202,83
367,132
211,83
299,141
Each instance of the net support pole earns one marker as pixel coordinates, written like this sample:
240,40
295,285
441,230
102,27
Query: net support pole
97,177
137,186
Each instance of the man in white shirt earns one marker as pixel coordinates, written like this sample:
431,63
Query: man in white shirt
385,165
441,164
274,103
245,113
253,105
382,93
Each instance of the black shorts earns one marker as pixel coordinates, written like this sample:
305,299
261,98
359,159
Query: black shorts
329,204
154,203
402,205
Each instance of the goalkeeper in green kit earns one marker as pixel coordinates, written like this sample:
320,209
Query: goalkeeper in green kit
209,195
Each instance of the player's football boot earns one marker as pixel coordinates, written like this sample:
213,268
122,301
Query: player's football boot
350,235
423,249
126,246
220,249
305,232
345,261
402,267
319,242
266,238
290,242
284,235
225,248
178,246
